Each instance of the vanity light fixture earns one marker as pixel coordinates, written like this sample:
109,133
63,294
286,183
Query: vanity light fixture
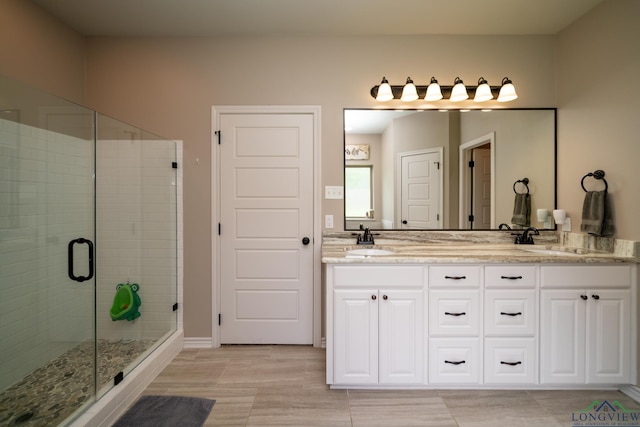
459,91
483,91
432,92
507,91
384,91
409,91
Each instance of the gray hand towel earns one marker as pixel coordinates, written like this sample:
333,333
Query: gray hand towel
596,214
522,210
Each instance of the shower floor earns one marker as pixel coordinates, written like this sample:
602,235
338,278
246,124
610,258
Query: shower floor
50,394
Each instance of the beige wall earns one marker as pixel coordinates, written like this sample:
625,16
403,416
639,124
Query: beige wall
37,49
598,112
169,85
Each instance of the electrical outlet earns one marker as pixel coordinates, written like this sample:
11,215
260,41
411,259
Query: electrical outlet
328,221
333,192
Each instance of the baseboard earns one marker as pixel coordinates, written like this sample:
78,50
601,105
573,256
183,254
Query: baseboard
632,391
106,410
198,342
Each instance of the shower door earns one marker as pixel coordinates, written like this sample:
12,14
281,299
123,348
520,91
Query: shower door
47,284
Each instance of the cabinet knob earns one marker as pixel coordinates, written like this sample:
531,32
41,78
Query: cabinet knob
595,296
384,297
584,297
373,297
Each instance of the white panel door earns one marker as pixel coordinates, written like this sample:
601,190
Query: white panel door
562,333
401,336
266,211
609,336
355,336
420,190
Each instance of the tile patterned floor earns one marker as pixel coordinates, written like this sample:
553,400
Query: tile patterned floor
285,386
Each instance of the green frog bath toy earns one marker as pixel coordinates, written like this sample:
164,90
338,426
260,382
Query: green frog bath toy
126,302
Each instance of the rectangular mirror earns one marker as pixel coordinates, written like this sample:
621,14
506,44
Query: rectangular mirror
449,169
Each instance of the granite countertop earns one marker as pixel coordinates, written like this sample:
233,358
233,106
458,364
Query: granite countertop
406,251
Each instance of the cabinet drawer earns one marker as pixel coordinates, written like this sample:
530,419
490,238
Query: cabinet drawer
455,312
509,361
510,312
585,276
454,276
453,361
510,276
375,276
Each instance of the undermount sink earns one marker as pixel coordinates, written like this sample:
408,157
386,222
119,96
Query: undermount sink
369,252
553,252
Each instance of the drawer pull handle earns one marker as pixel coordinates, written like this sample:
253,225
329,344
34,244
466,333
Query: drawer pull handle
454,314
511,363
584,297
511,277
595,296
455,277
454,363
503,313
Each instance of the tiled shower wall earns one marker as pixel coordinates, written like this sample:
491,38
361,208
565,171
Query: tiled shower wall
46,200
136,234
46,189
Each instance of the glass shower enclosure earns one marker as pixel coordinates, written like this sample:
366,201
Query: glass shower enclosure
88,253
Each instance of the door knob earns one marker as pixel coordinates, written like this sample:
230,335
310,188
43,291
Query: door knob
404,221
305,240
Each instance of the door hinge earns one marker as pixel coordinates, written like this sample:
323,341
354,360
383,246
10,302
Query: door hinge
219,229
437,217
437,165
472,164
219,319
218,133
470,218
175,307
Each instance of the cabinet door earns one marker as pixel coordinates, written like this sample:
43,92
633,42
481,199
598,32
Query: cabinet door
562,336
608,337
355,337
400,336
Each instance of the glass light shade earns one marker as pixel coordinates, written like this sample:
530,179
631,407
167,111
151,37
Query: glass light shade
384,91
459,91
507,91
409,91
483,91
434,93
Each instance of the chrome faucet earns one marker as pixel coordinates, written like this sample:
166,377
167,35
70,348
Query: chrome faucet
525,238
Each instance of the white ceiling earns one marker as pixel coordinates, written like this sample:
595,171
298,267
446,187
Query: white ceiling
315,17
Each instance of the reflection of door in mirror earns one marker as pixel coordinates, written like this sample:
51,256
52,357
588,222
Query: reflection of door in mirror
421,189
477,180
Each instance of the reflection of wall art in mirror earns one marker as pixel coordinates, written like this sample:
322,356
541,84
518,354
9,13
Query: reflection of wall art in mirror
356,152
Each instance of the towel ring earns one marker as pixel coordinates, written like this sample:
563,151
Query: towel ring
525,181
597,174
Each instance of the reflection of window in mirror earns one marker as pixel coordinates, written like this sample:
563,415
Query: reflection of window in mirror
359,191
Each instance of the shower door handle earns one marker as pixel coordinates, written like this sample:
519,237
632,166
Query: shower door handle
70,256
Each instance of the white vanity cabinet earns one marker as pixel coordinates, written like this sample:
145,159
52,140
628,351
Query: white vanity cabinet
376,333
586,324
522,325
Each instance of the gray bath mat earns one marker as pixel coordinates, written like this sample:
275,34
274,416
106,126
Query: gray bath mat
167,411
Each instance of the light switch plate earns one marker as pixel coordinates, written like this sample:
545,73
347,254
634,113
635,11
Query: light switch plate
328,221
333,192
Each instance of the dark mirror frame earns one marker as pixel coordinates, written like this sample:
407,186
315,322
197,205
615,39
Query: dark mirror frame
534,222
